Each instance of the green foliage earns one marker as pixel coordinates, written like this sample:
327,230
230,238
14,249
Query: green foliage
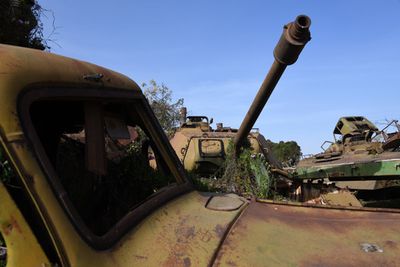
20,24
288,153
247,175
204,184
160,100
262,176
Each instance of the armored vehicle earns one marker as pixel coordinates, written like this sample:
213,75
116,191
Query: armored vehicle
203,150
361,157
71,200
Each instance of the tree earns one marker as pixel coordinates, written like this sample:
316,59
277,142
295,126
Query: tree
288,153
160,100
20,24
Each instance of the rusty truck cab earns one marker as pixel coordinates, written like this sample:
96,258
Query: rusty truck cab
76,190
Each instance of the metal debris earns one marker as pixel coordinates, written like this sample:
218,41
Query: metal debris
368,247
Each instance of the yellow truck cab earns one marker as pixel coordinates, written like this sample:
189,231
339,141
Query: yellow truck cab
74,200
83,192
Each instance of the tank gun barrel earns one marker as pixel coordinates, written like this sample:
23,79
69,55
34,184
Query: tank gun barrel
293,39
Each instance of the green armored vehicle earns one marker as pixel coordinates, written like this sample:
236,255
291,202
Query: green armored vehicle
363,163
362,152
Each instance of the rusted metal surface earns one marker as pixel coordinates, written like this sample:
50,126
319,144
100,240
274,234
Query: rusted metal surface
293,39
291,235
392,142
337,198
348,126
27,75
182,233
23,248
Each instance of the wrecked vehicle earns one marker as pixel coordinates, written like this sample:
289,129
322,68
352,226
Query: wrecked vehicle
362,161
83,192
356,152
203,150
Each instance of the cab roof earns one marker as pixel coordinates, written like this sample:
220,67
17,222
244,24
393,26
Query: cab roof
22,68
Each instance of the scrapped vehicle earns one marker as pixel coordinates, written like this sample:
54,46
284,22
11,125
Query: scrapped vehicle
203,150
362,161
83,191
360,150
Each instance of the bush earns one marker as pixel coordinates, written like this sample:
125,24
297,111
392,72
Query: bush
247,175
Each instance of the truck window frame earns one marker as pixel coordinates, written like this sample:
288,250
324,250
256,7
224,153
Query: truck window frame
128,221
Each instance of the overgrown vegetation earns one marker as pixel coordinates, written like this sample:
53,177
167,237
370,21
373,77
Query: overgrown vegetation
288,153
247,175
165,109
20,24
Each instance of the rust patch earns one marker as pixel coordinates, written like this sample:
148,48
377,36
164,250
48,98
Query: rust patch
317,218
184,235
205,235
345,260
139,257
187,262
231,263
390,244
308,236
219,230
13,224
190,232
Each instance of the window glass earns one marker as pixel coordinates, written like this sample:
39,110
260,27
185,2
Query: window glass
103,156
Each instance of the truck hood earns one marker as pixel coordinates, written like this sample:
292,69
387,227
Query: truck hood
270,234
202,229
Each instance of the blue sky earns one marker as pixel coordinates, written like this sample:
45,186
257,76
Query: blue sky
215,54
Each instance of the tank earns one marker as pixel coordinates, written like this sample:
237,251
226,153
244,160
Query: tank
361,157
202,149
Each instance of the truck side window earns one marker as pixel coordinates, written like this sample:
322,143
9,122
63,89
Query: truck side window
103,156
